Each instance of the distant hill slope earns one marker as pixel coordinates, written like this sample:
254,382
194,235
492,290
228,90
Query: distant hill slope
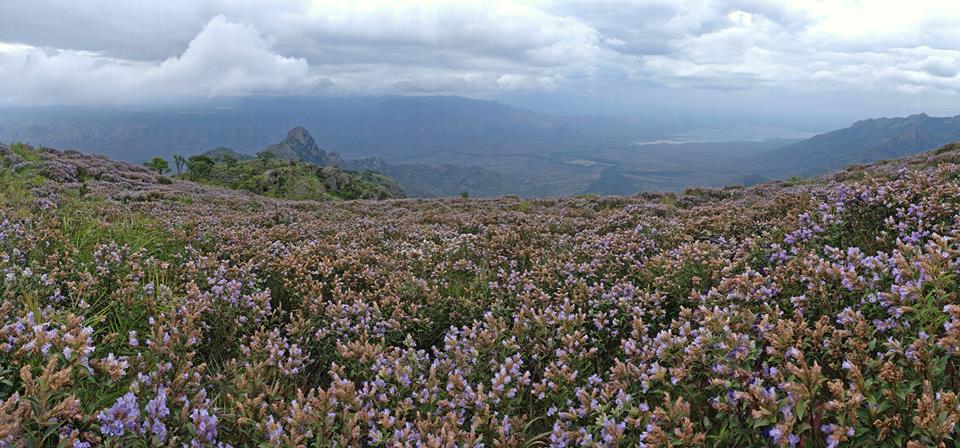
864,142
223,154
388,127
443,180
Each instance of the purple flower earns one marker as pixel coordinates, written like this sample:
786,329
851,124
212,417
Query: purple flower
132,338
776,434
793,352
156,411
121,417
275,431
793,439
558,437
205,424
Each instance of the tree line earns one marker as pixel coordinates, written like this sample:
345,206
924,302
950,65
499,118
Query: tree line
200,165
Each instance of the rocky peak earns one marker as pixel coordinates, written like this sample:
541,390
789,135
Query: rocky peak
300,145
300,137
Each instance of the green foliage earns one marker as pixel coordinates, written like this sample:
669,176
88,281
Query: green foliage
949,147
265,157
180,162
523,206
200,166
158,164
288,179
15,186
87,222
24,150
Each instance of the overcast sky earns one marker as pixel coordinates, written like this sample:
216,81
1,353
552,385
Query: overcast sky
828,58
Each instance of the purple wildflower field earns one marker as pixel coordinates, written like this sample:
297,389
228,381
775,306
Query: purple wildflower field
140,311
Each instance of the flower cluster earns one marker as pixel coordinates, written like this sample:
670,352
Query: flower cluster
151,313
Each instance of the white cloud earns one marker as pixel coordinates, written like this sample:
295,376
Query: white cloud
58,51
521,82
225,58
347,47
228,59
814,45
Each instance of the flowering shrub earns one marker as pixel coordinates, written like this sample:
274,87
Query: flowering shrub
135,312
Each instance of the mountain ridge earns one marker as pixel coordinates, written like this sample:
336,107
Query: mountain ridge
376,126
865,141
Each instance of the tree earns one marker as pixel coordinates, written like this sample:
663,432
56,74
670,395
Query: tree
265,157
230,160
199,166
180,162
158,164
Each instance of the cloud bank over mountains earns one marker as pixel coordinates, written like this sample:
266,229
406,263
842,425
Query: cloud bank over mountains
133,52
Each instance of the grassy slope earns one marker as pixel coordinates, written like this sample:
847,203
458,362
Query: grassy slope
74,231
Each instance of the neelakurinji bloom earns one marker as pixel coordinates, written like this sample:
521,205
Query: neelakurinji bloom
821,314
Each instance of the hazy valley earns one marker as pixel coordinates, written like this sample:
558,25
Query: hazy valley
443,146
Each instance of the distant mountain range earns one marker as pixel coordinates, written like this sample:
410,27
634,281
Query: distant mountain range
391,127
223,154
864,142
441,146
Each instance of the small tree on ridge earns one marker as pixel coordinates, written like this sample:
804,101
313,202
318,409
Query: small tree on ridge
158,164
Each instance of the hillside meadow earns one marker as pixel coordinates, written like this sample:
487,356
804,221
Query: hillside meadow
139,310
